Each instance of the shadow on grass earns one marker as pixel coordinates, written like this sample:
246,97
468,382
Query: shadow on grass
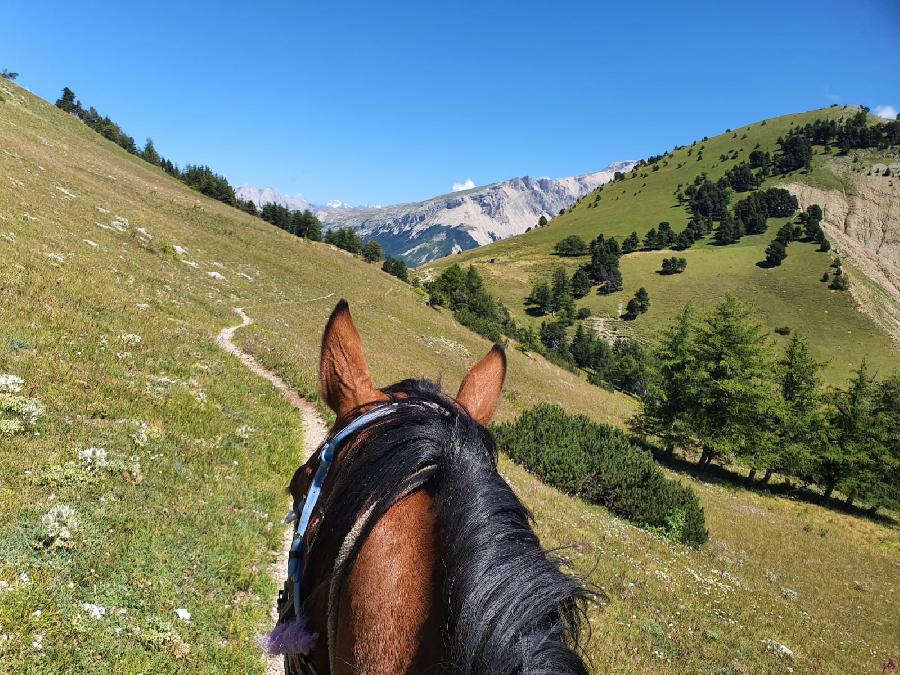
723,476
766,265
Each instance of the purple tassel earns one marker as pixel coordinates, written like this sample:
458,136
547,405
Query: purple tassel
291,637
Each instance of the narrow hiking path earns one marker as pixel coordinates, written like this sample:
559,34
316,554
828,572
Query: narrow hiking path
314,432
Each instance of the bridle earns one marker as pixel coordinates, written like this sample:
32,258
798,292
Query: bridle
300,515
289,598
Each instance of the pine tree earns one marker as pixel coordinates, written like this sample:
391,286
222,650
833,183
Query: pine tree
560,290
843,461
672,391
372,251
542,297
631,243
775,253
801,429
66,102
581,283
150,154
643,298
736,392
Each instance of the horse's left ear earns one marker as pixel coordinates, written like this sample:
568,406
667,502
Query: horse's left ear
343,372
480,390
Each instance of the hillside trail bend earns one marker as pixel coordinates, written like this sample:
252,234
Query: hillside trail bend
314,432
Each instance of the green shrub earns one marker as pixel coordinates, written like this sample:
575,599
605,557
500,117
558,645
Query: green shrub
598,463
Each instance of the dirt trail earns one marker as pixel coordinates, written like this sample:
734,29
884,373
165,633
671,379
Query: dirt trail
314,431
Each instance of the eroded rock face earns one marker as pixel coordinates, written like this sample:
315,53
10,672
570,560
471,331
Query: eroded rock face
863,224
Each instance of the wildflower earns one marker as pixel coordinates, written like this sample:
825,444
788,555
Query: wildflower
11,427
10,384
201,396
122,355
95,611
245,431
145,434
93,459
133,469
789,593
183,614
24,580
38,643
130,339
60,523
778,648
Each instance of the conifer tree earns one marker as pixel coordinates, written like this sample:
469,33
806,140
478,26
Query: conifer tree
669,400
736,391
581,283
542,297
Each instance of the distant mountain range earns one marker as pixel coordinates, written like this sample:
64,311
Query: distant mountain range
423,231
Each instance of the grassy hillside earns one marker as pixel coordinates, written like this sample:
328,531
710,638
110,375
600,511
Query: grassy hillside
791,295
97,247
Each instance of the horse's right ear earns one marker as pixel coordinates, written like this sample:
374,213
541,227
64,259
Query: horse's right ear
480,390
344,377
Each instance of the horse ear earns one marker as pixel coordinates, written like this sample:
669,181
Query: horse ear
480,390
343,373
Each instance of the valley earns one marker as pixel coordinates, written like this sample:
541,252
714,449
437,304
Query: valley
115,281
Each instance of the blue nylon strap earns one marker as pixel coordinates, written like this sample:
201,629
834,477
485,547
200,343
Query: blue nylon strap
295,557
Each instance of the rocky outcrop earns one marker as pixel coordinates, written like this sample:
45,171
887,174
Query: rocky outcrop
863,223
420,232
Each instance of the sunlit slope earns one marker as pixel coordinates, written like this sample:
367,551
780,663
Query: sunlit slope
194,530
791,295
114,281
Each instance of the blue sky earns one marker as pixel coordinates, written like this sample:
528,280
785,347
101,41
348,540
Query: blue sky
373,102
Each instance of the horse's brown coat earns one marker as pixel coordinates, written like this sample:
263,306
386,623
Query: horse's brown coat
390,612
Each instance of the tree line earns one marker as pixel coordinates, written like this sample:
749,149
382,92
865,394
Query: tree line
199,177
716,387
301,223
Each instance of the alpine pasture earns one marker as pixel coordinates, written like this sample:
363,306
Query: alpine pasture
141,494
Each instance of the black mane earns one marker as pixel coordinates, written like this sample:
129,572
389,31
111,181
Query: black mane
510,608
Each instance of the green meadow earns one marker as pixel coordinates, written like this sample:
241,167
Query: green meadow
791,295
114,282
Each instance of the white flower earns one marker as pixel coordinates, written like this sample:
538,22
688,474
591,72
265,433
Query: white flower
10,384
31,411
145,434
183,614
93,459
201,396
95,611
245,431
778,648
122,355
24,579
60,523
130,339
38,642
11,427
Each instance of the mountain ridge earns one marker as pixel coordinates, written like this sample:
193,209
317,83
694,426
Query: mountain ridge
419,232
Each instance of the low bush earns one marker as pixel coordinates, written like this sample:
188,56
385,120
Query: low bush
598,463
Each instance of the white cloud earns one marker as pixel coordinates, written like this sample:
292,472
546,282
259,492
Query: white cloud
888,112
468,185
